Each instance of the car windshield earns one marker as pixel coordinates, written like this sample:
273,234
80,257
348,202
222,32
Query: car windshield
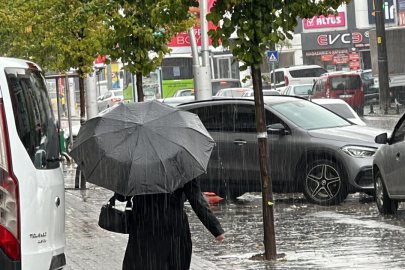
367,76
302,89
308,115
118,93
341,109
345,82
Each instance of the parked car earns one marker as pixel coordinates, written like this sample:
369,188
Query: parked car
305,74
32,200
302,90
184,92
389,169
250,93
311,149
109,99
341,108
346,86
232,92
66,135
218,84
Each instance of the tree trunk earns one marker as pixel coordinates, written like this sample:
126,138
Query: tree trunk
139,87
267,187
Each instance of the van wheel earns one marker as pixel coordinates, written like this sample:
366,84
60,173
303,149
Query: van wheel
325,183
385,205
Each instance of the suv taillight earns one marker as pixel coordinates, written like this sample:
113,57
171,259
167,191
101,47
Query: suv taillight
9,200
287,82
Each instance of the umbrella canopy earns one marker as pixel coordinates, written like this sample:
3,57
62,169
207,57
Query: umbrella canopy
143,148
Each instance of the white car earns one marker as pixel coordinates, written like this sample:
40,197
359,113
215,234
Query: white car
232,92
305,74
32,194
109,99
300,90
341,108
250,93
184,92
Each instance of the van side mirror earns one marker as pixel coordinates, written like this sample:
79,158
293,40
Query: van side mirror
381,139
277,129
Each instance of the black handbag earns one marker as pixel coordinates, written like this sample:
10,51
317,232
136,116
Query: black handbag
115,220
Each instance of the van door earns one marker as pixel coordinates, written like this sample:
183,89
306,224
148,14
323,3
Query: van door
34,146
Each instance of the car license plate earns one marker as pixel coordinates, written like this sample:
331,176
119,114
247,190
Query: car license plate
346,96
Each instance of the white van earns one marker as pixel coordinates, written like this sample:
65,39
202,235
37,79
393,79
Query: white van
32,200
294,75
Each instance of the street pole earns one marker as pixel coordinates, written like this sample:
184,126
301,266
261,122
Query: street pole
267,185
109,77
91,96
196,62
72,95
204,76
383,77
274,75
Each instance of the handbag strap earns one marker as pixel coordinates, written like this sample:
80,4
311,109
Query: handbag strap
111,201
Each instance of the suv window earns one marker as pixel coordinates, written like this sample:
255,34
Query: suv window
310,72
399,134
33,116
215,117
344,82
245,119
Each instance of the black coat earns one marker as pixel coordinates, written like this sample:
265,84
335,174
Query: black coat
164,213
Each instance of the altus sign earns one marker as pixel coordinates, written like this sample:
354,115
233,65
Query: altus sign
389,11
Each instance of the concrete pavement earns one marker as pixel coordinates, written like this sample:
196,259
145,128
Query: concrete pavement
87,245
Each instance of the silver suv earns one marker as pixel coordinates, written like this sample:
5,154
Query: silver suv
311,149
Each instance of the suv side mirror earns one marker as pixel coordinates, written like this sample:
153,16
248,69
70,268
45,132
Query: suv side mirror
277,129
381,139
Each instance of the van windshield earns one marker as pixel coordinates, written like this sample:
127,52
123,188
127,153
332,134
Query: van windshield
345,82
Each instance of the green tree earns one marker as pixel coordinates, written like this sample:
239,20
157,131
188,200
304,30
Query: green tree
58,35
259,23
139,32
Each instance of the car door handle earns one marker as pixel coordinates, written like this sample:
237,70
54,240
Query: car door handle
239,142
398,156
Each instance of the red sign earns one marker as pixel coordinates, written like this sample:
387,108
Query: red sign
354,64
354,56
182,39
325,40
340,58
100,60
322,21
327,58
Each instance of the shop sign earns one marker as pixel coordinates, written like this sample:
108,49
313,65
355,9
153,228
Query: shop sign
354,56
347,38
327,58
323,22
388,11
326,52
354,64
340,58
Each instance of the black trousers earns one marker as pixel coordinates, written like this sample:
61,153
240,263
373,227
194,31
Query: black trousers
151,249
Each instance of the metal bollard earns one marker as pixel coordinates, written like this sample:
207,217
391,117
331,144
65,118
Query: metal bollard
385,109
397,110
371,109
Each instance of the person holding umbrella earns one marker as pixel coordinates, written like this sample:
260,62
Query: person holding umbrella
151,153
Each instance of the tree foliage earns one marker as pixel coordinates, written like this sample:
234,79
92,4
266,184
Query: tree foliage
58,35
260,22
140,30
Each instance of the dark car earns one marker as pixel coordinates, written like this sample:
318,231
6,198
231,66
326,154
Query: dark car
314,151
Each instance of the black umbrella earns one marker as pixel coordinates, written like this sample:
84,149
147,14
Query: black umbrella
143,148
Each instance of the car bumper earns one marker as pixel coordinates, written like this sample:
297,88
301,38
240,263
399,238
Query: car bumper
359,173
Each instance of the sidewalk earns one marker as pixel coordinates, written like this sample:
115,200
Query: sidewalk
87,245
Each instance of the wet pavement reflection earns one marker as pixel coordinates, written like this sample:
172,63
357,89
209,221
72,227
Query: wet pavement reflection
351,235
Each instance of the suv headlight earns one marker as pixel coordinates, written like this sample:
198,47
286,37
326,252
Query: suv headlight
359,151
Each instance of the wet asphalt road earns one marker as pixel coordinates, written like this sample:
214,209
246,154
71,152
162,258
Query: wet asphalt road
349,236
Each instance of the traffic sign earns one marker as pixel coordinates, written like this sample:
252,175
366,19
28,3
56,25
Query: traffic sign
272,57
